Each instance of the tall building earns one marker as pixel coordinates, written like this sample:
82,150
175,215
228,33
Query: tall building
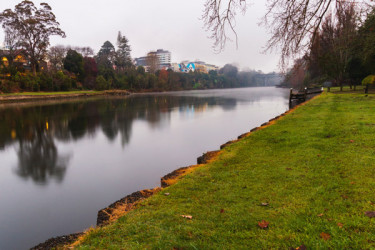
163,58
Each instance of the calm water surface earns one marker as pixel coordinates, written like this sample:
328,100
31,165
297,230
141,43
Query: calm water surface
61,162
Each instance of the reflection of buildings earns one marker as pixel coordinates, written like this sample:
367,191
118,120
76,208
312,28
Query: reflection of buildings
163,58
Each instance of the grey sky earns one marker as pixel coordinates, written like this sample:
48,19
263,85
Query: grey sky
173,25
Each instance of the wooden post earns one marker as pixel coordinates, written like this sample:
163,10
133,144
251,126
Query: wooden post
305,94
290,94
366,89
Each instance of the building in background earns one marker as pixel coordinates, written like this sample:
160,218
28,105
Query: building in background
163,59
197,66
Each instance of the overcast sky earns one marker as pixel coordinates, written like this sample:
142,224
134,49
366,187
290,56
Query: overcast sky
172,25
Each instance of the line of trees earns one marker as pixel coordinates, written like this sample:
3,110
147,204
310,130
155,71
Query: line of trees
27,32
342,51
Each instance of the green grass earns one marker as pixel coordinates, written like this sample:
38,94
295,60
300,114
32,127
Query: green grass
318,160
51,93
346,89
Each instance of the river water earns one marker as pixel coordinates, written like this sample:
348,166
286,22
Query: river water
62,161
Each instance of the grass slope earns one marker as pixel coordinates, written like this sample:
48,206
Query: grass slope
315,167
51,93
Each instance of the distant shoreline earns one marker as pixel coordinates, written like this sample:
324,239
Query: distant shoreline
38,96
31,96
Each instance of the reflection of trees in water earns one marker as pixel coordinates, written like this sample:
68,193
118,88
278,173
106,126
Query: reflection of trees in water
114,116
36,127
39,160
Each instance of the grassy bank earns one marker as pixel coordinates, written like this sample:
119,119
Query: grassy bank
31,96
313,170
51,93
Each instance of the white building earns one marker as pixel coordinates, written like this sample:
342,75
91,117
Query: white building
164,56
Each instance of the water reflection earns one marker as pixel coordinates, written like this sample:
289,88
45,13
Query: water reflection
39,159
34,128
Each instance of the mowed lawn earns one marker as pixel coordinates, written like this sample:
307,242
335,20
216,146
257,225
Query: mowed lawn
313,170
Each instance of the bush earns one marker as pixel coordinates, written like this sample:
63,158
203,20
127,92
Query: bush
7,86
61,81
369,80
102,83
28,81
46,82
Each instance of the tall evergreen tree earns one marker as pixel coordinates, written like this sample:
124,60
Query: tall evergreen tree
123,58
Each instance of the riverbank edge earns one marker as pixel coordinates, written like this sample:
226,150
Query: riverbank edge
123,206
52,96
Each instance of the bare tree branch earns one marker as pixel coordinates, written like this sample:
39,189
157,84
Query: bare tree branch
292,24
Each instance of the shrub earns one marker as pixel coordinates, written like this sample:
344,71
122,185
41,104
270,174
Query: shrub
101,83
7,86
62,81
369,80
46,82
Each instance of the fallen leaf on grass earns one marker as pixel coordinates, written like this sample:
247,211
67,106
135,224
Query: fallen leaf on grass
264,204
288,168
325,236
263,224
320,215
340,225
166,194
318,155
351,141
352,182
187,216
222,211
301,247
370,214
344,196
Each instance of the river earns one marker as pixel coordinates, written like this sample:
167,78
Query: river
62,161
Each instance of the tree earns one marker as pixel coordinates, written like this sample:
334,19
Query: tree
123,58
11,43
73,62
107,52
293,24
56,56
296,76
84,51
90,72
331,51
34,27
364,46
152,62
229,70
106,60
